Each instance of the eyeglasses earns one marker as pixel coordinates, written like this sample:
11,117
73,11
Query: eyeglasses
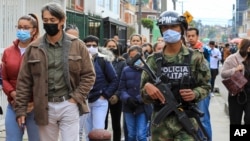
23,28
91,45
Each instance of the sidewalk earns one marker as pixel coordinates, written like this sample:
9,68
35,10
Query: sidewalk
219,120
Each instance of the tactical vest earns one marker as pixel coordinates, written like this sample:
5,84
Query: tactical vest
177,75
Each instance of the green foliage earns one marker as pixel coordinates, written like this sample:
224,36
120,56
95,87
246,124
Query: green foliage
147,23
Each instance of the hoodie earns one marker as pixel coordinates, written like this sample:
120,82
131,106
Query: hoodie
106,81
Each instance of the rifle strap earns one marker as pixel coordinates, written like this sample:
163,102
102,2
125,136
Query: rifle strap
158,59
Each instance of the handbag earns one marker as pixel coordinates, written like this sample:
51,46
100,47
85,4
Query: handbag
235,84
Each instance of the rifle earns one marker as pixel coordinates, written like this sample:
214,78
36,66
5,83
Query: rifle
171,105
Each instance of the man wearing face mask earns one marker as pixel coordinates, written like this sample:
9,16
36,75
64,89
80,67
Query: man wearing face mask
57,74
106,83
171,65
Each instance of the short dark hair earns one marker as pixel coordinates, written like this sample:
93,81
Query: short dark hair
212,43
55,9
135,47
195,29
91,38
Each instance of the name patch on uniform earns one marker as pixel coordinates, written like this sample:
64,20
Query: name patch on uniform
168,19
175,72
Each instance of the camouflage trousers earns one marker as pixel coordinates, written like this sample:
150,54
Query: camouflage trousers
170,129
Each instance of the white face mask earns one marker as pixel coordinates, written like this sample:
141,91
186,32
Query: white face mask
93,50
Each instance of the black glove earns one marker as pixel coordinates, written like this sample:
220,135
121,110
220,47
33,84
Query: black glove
132,103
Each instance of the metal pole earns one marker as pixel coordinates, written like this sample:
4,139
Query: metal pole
163,5
182,7
139,17
174,4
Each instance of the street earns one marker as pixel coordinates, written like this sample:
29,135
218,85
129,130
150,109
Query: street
218,113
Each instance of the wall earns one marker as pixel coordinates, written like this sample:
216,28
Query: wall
12,10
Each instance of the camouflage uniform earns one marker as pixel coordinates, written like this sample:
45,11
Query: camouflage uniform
170,128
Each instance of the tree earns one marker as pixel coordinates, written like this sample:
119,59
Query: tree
147,23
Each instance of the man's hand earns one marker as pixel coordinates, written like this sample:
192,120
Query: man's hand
21,121
187,94
113,99
13,95
154,92
132,103
30,107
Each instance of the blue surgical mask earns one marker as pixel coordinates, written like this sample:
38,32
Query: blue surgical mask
171,36
23,35
138,63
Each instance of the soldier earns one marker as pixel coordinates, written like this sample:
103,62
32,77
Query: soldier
176,61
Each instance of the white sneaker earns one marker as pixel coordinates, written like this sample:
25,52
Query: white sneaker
212,94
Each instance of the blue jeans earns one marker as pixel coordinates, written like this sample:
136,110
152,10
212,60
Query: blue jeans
13,132
205,120
136,126
96,118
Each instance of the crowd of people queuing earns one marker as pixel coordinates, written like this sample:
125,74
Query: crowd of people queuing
60,85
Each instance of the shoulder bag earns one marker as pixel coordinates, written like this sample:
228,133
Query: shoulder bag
235,84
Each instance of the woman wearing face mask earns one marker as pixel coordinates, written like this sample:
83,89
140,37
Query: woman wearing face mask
239,104
27,31
134,110
115,105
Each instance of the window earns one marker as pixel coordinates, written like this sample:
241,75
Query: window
115,6
100,3
76,5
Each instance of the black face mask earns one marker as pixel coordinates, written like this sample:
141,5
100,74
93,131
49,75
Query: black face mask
51,29
115,51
